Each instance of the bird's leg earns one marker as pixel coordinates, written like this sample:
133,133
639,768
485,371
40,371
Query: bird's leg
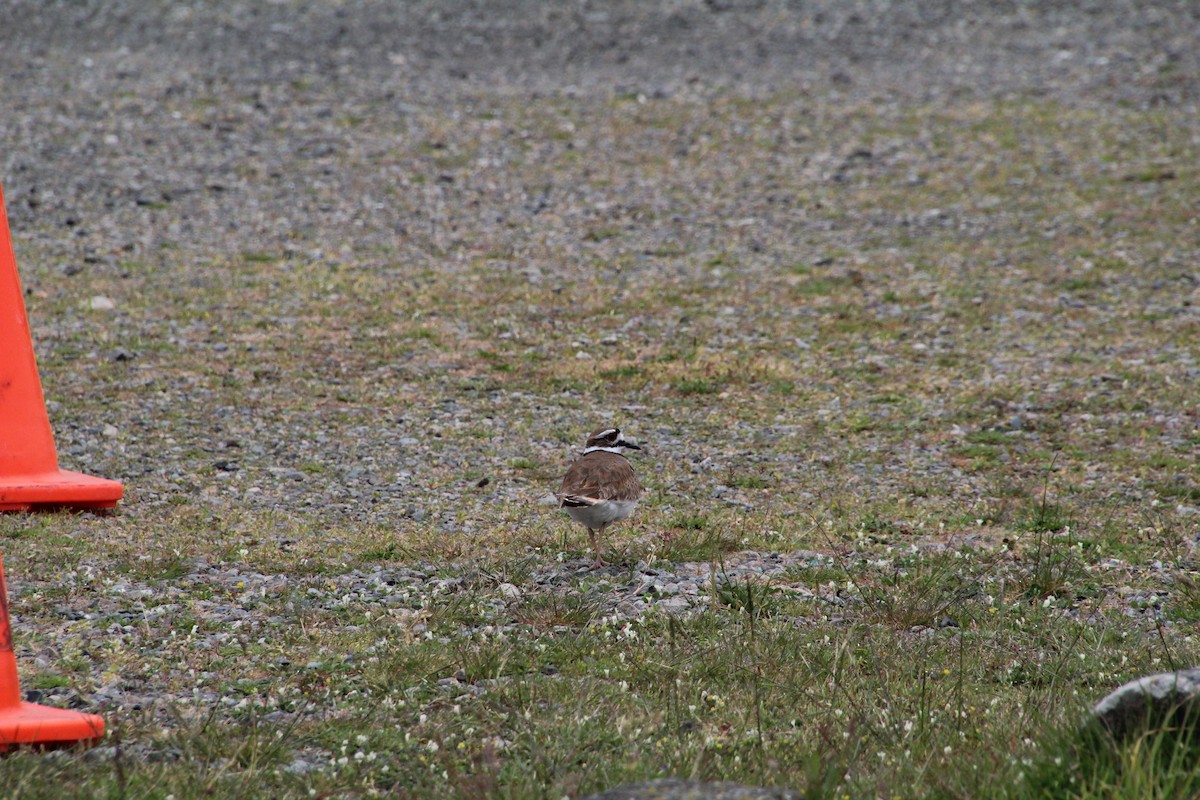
597,562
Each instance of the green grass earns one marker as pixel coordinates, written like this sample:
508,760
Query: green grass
941,599
688,386
759,685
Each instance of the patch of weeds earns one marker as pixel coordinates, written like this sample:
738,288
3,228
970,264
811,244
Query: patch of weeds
495,361
747,480
1081,284
21,527
754,598
418,663
814,575
694,386
1153,760
45,681
1044,517
1052,568
1180,490
550,610
388,552
720,260
689,522
517,571
985,453
601,234
951,360
1167,461
1152,174
818,287
172,569
988,436
428,334
168,568
489,660
1184,602
696,543
879,525
921,590
860,423
623,371
564,383
132,266
920,489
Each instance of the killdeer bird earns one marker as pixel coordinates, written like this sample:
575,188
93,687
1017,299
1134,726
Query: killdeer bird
600,487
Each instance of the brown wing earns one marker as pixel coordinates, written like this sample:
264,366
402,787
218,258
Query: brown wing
601,476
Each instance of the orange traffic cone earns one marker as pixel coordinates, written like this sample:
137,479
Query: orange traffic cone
29,473
28,723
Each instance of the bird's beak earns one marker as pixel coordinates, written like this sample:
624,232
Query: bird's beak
630,445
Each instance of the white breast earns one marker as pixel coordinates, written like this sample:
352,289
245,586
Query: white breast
602,514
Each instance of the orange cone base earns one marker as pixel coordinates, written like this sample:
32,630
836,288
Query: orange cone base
57,489
43,726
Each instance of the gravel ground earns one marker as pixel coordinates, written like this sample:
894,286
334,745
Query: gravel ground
233,111
146,145
177,137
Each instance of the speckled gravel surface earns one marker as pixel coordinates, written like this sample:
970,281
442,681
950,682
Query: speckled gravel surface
216,131
203,196
151,144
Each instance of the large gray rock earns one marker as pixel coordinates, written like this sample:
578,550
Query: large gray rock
1155,701
677,789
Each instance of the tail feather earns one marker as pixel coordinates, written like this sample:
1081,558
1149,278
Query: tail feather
577,501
